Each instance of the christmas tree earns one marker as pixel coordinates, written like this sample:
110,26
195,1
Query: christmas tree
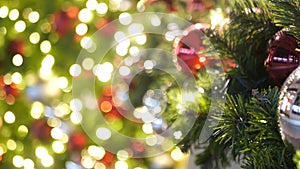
144,84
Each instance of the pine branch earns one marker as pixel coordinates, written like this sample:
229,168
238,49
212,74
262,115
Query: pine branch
249,127
287,14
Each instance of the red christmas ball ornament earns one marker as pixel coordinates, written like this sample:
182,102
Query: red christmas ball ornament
138,148
199,5
189,46
62,22
169,3
283,57
8,92
41,130
16,46
77,141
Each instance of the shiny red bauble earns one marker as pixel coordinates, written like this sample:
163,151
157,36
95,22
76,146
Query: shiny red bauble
283,57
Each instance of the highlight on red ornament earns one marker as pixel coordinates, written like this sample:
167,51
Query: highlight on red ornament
283,56
189,47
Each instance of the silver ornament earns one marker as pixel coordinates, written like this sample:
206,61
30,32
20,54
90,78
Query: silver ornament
289,109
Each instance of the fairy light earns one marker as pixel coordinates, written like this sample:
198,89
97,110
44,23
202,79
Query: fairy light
58,147
103,133
85,15
124,71
99,165
34,38
121,165
86,42
41,152
141,39
45,46
17,60
88,162
96,152
75,105
102,8
105,106
91,4
56,133
122,155
64,138
81,29
119,36
18,161
48,61
216,17
22,130
62,110
176,154
133,50
155,21
47,161
103,71
62,82
147,128
4,11
7,79
88,63
20,26
28,164
125,18
3,30
11,144
177,135
9,117
37,110
16,78
2,150
13,14
75,70
151,140
136,28
33,17
148,64
75,118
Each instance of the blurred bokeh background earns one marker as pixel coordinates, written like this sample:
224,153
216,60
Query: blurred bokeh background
39,44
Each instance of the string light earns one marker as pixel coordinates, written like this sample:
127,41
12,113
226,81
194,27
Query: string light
33,17
85,15
18,161
103,133
16,78
102,8
37,110
9,117
176,154
4,11
81,29
125,18
45,46
17,60
121,165
13,14
20,26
